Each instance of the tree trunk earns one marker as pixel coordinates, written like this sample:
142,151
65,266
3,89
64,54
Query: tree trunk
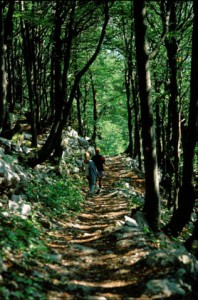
95,112
9,45
28,57
129,110
137,134
187,193
84,106
158,135
79,115
152,199
3,83
174,145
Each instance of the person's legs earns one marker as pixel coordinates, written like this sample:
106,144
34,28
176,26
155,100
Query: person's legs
89,181
100,182
92,184
92,188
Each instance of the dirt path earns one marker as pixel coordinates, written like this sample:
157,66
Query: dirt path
93,263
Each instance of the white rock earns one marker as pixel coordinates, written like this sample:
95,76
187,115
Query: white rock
26,209
130,222
12,205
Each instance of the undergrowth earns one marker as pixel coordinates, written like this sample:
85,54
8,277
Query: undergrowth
22,239
163,242
59,194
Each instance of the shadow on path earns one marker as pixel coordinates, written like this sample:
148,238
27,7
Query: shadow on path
93,263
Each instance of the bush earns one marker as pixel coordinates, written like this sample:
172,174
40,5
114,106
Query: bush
58,194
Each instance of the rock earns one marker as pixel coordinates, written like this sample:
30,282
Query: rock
126,243
27,136
13,206
141,220
2,152
75,170
84,249
180,273
10,175
72,133
163,288
25,150
5,143
16,198
25,209
83,142
5,214
19,206
168,258
130,222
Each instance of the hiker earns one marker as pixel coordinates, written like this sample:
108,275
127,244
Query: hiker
91,172
99,161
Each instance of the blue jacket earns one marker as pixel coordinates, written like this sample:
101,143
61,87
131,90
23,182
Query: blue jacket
93,172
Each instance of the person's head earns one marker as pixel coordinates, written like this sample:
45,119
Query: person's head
87,156
97,150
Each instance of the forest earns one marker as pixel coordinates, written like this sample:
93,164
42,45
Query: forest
122,73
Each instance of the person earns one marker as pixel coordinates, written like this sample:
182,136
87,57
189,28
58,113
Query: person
99,161
91,172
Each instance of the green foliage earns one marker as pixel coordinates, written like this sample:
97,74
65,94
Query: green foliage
58,194
22,240
17,233
111,103
20,237
135,201
22,243
113,141
15,290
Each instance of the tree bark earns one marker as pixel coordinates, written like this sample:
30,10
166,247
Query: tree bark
3,83
186,199
152,199
129,110
174,136
29,63
95,111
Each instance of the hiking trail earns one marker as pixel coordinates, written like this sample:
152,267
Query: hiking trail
95,257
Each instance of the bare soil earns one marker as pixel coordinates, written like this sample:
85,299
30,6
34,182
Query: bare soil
93,264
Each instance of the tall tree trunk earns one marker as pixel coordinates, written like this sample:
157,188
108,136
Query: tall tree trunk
152,199
163,160
84,109
137,134
171,46
29,62
6,43
95,111
186,199
9,45
127,38
3,83
79,115
129,110
158,135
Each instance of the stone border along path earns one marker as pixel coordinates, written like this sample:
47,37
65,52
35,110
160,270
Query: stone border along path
97,251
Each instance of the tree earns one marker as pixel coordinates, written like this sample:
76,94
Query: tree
30,62
3,82
95,111
186,198
152,198
177,28
173,113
